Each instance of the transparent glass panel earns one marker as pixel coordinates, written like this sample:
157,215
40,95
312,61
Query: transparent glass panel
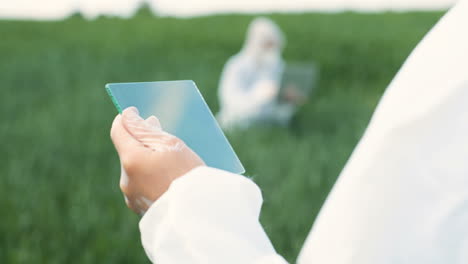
183,112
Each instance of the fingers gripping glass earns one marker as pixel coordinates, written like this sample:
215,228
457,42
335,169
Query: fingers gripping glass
182,112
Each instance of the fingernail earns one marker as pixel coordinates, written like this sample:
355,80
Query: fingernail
131,112
153,122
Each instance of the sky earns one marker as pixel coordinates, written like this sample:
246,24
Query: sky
56,9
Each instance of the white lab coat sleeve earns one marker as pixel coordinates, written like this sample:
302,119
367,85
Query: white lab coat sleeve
208,216
402,196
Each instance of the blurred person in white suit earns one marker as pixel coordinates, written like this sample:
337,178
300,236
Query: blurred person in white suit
250,81
402,198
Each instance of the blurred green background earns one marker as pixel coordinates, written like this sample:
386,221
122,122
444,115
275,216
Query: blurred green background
59,196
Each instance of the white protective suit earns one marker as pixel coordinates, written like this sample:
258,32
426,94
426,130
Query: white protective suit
251,79
402,197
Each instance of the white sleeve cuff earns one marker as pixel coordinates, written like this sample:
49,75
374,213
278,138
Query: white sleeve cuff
207,216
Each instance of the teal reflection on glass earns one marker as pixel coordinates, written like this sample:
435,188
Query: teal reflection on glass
183,112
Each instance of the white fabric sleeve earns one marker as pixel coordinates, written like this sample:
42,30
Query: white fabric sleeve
402,196
207,216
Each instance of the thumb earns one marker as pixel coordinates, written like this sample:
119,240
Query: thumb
139,128
149,131
125,144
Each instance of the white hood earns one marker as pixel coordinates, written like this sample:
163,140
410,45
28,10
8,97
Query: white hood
261,32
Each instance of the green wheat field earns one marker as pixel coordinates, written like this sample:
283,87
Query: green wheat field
59,195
